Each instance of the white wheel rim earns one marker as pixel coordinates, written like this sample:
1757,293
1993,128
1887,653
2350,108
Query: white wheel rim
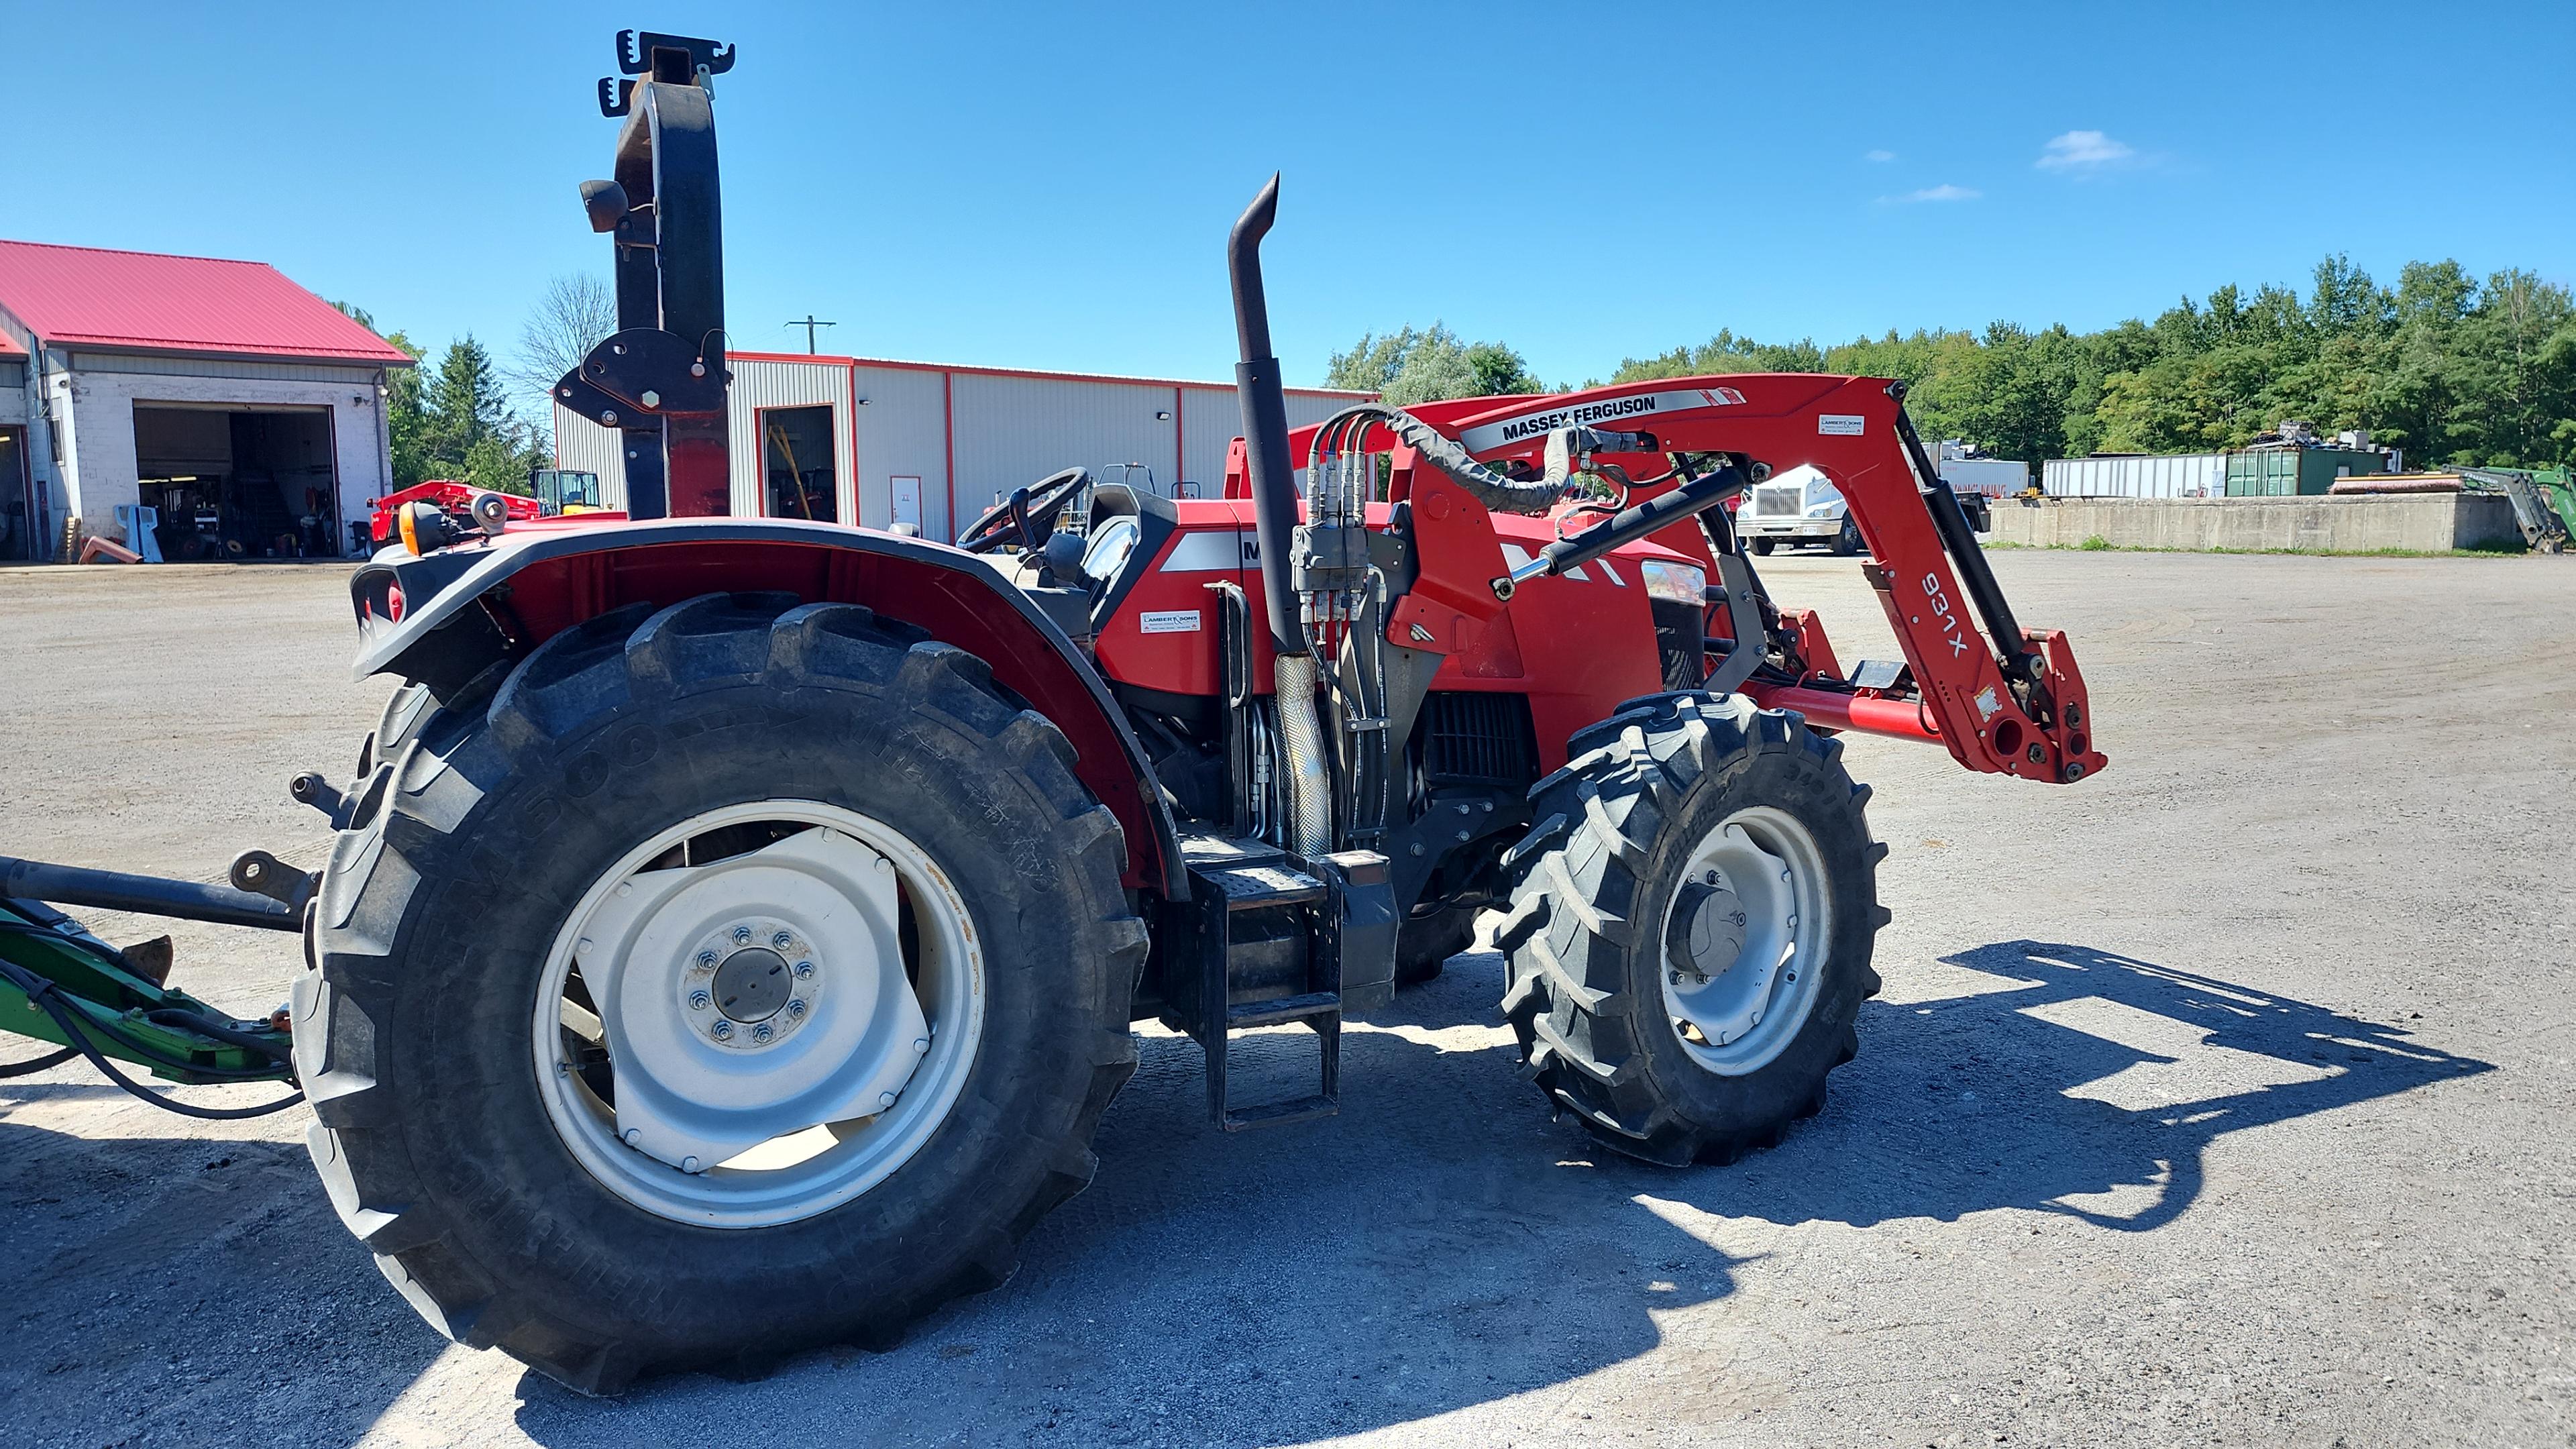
1743,941
770,1049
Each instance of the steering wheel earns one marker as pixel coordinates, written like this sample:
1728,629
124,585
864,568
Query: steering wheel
1027,516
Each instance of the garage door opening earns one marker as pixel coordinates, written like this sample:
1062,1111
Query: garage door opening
796,459
17,505
239,483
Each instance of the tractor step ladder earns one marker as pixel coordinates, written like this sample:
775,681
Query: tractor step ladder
1255,922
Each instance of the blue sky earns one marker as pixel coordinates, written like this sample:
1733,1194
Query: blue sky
1049,186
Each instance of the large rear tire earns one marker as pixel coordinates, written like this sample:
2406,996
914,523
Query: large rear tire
1691,926
530,882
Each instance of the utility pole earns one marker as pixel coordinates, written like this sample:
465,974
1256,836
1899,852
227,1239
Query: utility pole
809,324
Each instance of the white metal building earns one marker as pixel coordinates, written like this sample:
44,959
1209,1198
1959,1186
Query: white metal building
876,442
244,410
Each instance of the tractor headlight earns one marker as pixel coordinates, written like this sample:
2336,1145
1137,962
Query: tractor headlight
1678,583
1831,508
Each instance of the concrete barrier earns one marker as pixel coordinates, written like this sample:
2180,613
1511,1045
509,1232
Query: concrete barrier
2422,523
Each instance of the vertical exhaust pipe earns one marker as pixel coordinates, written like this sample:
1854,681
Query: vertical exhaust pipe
1304,782
1265,420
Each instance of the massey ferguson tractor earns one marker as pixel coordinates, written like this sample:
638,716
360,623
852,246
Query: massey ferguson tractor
734,925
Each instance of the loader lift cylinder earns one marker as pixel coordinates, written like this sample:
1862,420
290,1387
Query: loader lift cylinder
1951,522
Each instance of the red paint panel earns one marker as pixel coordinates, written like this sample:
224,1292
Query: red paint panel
1153,641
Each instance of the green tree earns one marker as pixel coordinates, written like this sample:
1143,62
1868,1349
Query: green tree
467,429
1408,366
2456,370
406,420
466,404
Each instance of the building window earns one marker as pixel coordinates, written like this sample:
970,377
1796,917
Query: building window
796,462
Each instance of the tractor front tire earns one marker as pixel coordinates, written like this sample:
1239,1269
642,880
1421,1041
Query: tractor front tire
495,833
1762,546
1691,926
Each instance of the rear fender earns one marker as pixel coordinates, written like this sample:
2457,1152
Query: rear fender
445,617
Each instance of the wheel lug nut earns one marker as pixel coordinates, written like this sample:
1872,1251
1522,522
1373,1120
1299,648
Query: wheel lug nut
1711,877
921,1044
688,1164
742,935
804,969
782,940
706,958
796,1010
762,1032
721,1031
885,1099
700,1001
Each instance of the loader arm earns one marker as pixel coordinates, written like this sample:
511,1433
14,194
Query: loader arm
2003,699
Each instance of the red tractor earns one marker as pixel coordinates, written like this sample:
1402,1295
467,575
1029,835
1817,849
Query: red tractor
552,493
735,924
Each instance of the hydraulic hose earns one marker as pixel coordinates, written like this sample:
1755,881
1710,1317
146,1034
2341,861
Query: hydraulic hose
33,1065
43,994
1492,489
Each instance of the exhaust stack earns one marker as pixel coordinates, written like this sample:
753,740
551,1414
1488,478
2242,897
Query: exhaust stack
1265,420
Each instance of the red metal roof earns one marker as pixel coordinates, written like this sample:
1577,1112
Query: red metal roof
144,301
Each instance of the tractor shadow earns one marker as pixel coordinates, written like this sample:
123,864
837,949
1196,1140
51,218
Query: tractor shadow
1444,1244
183,1289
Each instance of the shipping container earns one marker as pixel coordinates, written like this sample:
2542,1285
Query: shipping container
1985,477
2187,475
2285,472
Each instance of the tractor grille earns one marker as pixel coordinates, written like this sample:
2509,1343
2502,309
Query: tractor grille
1770,501
1477,739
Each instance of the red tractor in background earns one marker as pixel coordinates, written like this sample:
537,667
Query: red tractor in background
552,493
735,925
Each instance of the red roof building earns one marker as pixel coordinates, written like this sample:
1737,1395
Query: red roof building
190,407
143,302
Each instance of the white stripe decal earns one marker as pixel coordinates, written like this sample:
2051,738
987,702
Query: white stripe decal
1208,550
1632,413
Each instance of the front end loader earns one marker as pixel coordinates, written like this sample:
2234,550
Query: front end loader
734,926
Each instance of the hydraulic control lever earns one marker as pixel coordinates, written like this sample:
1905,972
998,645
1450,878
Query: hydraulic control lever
1628,525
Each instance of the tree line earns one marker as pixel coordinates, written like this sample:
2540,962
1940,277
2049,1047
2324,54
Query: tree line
2457,370
476,419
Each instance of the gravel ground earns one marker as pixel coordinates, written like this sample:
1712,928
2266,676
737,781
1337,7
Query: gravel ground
2220,1099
